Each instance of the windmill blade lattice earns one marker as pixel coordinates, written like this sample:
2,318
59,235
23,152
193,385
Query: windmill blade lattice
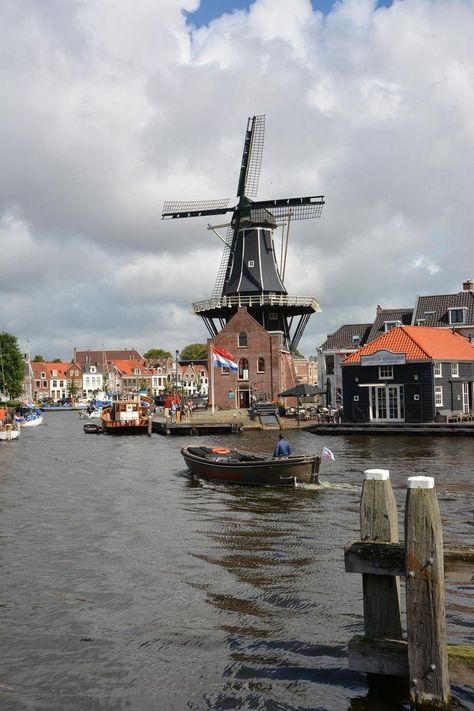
194,208
255,155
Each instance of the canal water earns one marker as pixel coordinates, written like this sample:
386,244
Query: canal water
124,585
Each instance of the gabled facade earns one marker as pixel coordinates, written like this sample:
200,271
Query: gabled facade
455,311
51,381
331,354
265,367
409,374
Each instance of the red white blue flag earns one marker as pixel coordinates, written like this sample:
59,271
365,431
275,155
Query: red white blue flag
223,359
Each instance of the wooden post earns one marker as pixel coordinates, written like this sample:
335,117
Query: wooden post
379,522
426,623
150,425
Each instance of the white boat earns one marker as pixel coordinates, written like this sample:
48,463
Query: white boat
28,416
32,420
8,432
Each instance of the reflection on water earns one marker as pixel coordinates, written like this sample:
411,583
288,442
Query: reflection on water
127,585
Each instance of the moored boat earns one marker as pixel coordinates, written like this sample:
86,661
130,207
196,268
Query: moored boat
28,416
8,432
241,467
126,417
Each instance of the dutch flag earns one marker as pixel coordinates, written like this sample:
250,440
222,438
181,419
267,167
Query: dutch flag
223,359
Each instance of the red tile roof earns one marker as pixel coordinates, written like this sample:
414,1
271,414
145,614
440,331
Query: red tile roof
419,343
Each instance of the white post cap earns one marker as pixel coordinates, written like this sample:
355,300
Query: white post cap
420,482
377,474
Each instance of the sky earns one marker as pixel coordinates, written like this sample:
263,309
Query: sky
108,111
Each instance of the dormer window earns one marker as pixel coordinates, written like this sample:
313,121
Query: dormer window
457,316
54,373
93,369
356,340
429,314
388,325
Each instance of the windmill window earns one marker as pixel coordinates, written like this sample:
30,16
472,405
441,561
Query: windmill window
242,339
243,369
251,263
261,365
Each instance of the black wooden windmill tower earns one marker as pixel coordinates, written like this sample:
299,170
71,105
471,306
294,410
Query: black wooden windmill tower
249,274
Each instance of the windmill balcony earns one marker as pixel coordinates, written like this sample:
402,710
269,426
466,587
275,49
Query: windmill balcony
299,303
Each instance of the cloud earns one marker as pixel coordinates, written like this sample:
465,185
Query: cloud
107,112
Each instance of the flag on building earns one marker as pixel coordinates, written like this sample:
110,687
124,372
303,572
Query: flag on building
327,454
223,359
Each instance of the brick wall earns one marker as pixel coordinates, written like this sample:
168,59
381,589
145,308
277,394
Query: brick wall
278,373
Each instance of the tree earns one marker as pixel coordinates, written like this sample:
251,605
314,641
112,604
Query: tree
38,359
157,354
195,351
12,367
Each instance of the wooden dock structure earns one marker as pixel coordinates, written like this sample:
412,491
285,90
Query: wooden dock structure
423,658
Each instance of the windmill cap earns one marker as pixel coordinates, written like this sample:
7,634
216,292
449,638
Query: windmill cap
420,482
377,474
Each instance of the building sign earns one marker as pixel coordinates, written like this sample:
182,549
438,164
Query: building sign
230,395
383,358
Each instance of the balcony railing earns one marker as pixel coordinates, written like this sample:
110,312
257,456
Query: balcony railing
257,300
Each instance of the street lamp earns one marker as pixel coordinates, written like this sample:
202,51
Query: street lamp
176,372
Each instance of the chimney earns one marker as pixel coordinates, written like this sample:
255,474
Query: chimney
468,285
379,309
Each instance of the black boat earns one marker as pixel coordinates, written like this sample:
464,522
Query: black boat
240,467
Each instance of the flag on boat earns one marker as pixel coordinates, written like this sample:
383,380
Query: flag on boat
223,359
327,454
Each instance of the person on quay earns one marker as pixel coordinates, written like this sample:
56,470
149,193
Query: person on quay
282,447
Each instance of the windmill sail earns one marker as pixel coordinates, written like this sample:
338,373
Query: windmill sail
248,273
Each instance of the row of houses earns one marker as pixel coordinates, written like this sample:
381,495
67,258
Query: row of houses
120,372
126,371
409,365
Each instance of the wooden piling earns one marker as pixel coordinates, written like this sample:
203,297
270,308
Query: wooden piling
379,522
425,600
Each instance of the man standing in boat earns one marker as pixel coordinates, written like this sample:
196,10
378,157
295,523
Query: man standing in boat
282,447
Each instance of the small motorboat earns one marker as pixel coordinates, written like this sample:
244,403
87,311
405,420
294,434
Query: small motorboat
93,428
240,467
9,432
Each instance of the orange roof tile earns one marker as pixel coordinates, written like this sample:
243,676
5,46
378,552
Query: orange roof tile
419,343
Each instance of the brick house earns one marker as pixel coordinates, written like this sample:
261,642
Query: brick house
409,374
265,367
51,381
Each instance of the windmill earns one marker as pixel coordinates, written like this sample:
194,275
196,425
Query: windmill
249,274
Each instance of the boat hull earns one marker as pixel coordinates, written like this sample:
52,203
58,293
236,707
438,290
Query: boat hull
33,422
6,435
258,470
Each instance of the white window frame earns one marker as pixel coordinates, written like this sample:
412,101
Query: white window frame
388,325
438,370
438,395
385,372
457,308
455,370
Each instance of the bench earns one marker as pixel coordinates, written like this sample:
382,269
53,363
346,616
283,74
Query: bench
448,416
